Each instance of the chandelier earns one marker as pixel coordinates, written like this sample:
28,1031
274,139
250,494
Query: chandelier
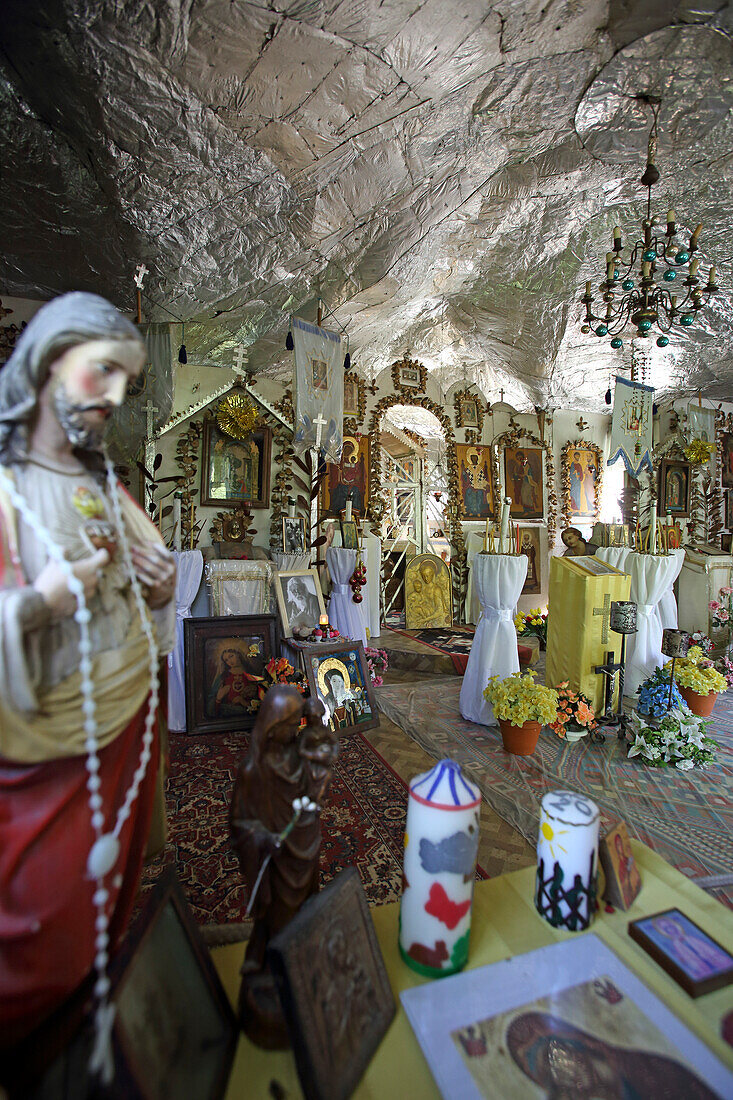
630,291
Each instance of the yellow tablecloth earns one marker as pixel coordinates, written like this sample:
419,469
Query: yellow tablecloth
505,924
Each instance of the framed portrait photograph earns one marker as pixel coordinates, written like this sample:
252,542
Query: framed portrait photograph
299,599
726,460
529,545
225,661
474,479
339,676
408,374
235,470
523,481
693,958
347,479
674,488
294,535
174,1030
334,987
582,471
349,533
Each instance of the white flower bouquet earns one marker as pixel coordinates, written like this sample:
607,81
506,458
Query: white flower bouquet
678,739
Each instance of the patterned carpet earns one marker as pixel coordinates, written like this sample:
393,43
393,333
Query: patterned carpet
363,824
685,816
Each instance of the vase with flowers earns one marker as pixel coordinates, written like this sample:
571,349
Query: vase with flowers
377,660
521,707
575,715
698,680
532,624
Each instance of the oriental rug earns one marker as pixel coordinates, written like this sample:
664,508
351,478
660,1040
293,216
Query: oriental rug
363,824
687,817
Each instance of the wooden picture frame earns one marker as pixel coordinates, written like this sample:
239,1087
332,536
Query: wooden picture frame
346,480
355,401
408,374
299,599
349,533
475,481
726,459
623,881
469,410
523,481
726,542
428,595
223,669
349,704
293,535
530,545
235,470
581,477
334,988
675,482
684,950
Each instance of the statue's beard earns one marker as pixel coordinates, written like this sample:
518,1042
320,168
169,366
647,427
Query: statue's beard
71,418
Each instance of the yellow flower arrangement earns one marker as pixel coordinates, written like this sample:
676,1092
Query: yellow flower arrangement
697,672
518,699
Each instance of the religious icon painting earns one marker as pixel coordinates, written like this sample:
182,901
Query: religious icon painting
726,542
726,460
474,477
623,881
319,376
349,533
225,659
347,479
339,676
407,374
689,955
235,470
354,396
528,540
428,601
523,481
674,488
581,479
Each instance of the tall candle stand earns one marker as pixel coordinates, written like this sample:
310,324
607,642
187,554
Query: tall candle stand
675,643
623,622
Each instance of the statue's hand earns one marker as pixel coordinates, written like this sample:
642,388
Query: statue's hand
53,585
156,568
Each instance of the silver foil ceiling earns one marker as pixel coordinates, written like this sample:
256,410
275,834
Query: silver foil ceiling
445,174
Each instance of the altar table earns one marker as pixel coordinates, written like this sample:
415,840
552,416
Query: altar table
504,924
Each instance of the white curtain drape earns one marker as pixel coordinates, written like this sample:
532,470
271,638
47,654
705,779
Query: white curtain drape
287,563
651,575
474,546
615,556
498,579
190,566
667,606
348,617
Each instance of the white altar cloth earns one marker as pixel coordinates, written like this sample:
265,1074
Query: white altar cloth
348,617
189,565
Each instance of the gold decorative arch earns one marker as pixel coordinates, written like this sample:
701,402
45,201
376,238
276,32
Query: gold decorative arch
377,503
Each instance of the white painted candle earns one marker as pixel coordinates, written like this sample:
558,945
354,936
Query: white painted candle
176,521
653,537
441,844
506,505
347,510
567,860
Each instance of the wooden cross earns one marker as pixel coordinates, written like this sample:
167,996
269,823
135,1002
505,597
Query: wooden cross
605,611
238,367
320,424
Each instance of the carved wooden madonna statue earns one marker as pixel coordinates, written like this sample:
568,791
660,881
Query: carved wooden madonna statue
275,823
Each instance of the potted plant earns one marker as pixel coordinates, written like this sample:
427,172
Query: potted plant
575,715
532,624
522,707
698,680
676,739
654,700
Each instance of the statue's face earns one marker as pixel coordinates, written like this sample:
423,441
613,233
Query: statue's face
88,382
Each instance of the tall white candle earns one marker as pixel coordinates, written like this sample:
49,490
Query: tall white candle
504,523
567,860
653,521
347,510
176,521
441,845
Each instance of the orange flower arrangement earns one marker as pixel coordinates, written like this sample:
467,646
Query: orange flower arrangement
574,713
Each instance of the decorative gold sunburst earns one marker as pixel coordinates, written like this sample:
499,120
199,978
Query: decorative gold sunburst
237,416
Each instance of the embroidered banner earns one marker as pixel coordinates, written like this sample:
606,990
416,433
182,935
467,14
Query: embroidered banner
319,390
631,427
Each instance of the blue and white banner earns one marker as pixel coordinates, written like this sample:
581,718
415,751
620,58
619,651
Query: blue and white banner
319,390
631,427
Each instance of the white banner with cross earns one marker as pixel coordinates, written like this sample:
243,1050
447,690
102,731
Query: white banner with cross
319,390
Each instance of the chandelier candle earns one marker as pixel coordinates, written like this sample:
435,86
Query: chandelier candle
441,844
567,860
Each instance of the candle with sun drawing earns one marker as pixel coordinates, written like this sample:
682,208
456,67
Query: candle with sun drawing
441,845
567,860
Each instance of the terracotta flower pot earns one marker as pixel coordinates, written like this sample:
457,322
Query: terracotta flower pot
701,705
521,740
